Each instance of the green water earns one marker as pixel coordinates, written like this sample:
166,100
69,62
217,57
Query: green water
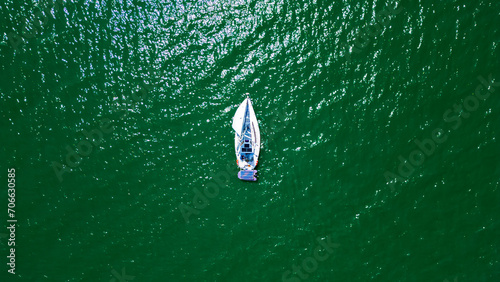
345,193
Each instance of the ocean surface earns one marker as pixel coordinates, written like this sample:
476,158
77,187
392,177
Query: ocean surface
379,123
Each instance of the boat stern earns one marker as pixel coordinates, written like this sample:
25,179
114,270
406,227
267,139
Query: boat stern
247,175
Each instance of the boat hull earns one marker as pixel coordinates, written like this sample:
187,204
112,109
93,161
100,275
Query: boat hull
246,139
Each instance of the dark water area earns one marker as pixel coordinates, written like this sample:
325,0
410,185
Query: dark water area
379,123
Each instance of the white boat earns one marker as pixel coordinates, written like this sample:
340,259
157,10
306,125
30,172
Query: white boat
246,140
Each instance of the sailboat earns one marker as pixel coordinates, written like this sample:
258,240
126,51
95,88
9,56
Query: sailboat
246,140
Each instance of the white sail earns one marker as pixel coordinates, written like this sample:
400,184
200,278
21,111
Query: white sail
238,118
